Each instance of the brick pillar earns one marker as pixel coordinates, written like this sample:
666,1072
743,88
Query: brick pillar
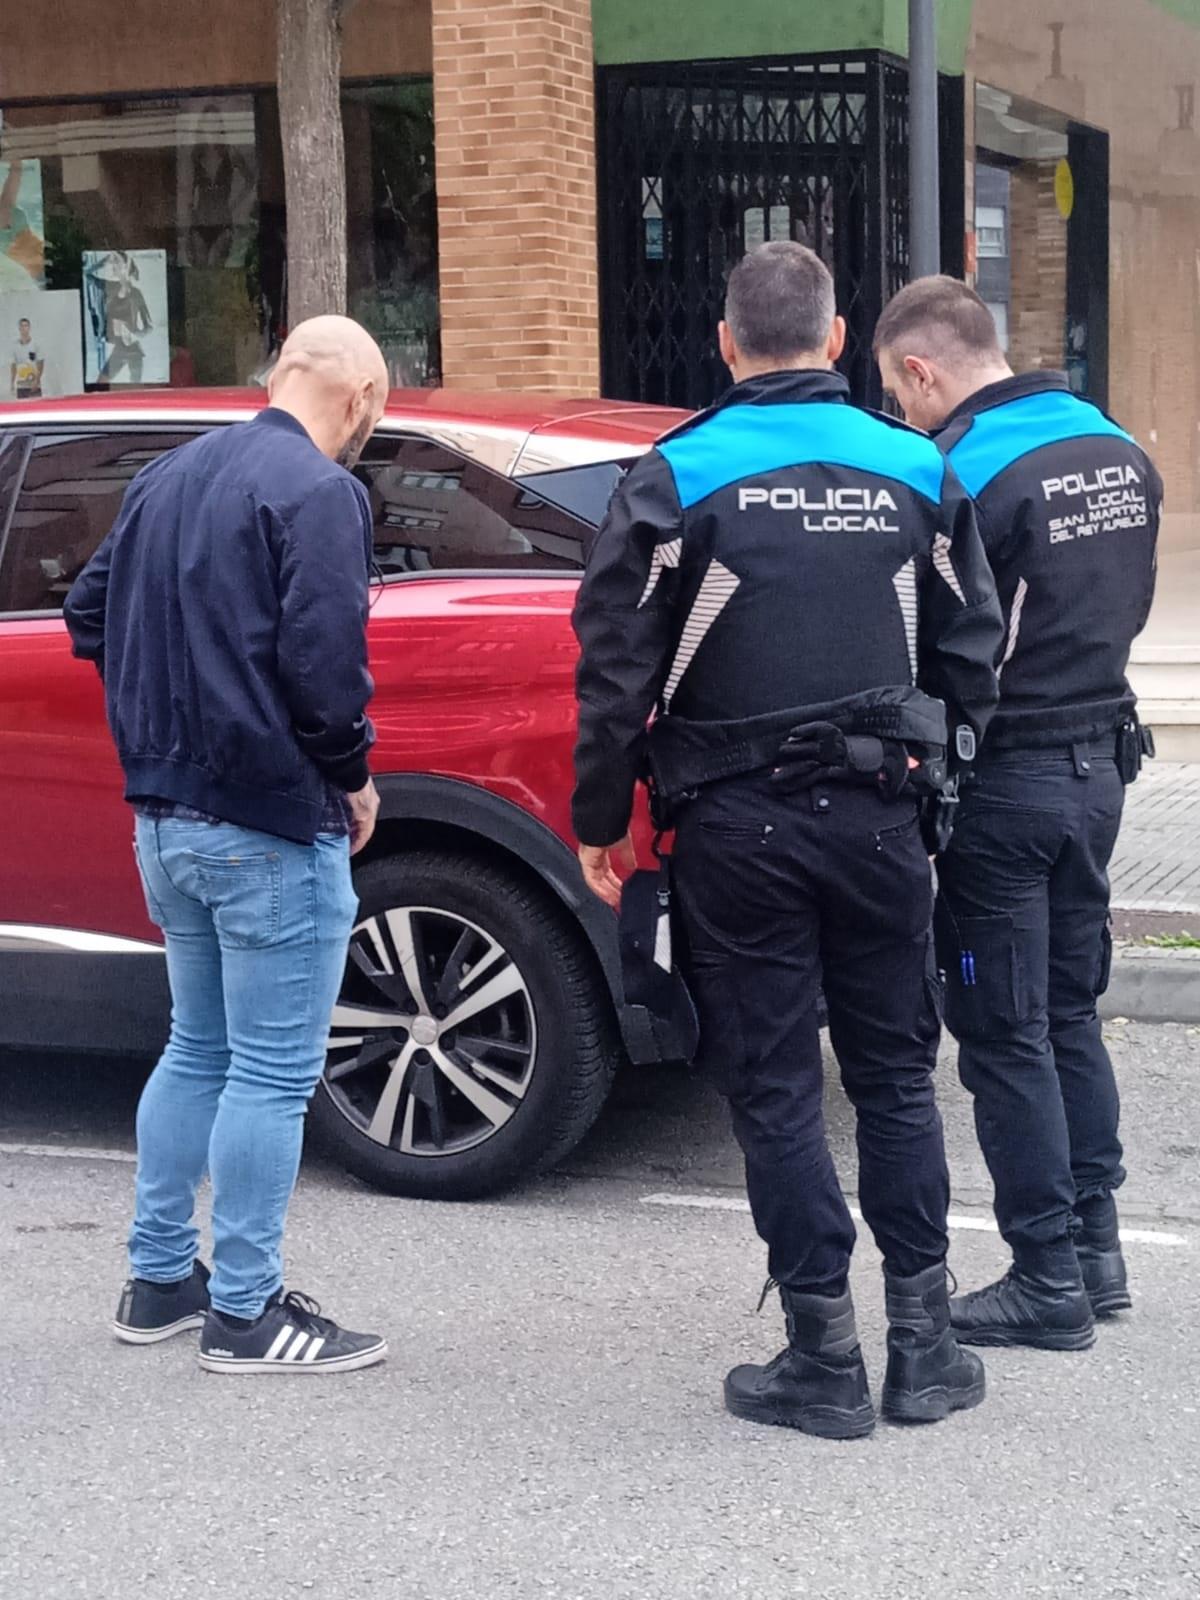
1038,242
516,188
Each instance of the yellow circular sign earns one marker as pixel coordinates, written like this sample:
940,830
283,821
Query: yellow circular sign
1064,189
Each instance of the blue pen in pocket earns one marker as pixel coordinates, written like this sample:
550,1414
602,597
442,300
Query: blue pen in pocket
968,969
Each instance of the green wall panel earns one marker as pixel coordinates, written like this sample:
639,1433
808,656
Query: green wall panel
694,30
1187,10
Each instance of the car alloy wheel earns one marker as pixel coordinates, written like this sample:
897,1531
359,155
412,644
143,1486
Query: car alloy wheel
433,1042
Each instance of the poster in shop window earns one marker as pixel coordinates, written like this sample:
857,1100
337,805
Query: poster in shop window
41,355
22,227
126,336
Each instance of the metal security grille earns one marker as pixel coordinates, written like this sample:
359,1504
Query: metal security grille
701,161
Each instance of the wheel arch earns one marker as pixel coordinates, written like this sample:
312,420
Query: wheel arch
419,810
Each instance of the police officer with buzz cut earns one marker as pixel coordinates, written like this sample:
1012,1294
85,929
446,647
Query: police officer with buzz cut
796,591
1068,507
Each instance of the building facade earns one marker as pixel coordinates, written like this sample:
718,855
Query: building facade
550,193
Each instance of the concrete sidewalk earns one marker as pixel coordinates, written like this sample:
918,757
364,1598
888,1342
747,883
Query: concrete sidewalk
1155,877
1156,868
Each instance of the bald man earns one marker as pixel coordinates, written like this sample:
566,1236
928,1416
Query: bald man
226,612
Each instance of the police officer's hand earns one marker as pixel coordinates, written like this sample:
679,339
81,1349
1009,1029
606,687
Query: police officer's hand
600,864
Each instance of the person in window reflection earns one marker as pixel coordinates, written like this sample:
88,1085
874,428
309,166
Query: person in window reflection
22,252
28,364
127,318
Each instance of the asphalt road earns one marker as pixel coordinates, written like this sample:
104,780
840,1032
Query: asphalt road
549,1422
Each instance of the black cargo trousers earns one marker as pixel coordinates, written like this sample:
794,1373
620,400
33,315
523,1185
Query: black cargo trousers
1023,939
780,896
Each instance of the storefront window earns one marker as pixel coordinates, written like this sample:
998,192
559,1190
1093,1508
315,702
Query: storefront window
1041,234
144,241
393,284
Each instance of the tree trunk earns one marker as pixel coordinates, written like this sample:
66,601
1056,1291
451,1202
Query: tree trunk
314,157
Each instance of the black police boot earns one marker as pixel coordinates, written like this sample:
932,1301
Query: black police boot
928,1376
1098,1250
819,1383
1040,1301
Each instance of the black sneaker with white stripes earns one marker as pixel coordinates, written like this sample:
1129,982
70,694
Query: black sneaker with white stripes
148,1312
289,1336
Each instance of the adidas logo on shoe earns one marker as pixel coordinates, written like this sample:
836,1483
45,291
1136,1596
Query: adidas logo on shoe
289,1336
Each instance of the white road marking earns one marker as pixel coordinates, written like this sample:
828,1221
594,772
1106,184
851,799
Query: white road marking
692,1202
729,1202
64,1152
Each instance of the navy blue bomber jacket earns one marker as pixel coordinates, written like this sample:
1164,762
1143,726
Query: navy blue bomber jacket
226,611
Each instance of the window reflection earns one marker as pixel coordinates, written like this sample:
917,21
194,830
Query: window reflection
72,491
191,189
437,511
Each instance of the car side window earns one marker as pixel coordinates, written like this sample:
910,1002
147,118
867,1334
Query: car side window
436,511
585,491
69,498
13,450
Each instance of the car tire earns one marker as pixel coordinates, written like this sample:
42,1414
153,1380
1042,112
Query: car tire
563,998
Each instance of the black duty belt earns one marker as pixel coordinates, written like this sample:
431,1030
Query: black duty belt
1063,749
1129,746
687,755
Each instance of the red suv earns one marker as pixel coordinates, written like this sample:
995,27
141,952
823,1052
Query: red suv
473,909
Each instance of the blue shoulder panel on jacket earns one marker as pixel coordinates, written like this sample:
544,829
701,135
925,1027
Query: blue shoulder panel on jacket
742,441
1001,436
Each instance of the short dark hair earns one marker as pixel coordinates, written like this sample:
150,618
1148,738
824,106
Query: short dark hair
779,301
24,322
939,317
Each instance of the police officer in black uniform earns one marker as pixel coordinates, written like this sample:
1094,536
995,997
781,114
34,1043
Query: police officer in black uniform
1068,506
797,591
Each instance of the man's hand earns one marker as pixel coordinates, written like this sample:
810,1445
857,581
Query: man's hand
600,863
364,810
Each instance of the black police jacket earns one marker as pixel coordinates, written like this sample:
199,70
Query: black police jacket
1068,507
781,551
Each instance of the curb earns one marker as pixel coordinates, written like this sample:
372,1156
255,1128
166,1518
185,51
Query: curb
1150,985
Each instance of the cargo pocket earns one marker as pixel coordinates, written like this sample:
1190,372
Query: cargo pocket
721,1052
243,893
737,832
898,833
978,959
1104,971
935,994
